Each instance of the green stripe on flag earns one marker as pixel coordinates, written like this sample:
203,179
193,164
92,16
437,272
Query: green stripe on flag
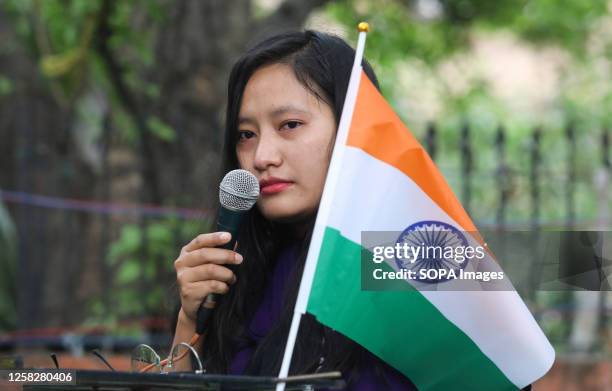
401,327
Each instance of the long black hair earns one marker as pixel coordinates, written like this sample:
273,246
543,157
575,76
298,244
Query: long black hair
322,63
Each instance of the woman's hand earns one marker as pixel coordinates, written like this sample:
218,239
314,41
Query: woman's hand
200,271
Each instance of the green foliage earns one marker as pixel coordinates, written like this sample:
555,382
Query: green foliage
61,36
65,22
6,86
128,243
161,129
129,132
400,31
141,261
395,35
568,24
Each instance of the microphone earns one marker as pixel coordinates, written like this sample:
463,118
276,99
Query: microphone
238,192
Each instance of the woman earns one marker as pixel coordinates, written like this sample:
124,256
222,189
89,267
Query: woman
285,99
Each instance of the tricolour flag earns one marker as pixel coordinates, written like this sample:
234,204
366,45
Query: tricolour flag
382,179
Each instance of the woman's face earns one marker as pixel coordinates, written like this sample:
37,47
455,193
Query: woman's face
285,140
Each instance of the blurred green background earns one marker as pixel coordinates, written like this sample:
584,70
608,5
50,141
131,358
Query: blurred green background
111,120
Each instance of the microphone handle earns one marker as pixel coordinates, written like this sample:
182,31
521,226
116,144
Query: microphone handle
228,221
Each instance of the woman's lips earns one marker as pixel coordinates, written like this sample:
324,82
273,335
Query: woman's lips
275,187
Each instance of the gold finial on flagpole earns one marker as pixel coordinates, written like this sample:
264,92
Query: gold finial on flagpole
363,27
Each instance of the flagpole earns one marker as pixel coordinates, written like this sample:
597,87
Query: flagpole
325,205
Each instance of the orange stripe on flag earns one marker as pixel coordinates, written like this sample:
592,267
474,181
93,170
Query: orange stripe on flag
376,129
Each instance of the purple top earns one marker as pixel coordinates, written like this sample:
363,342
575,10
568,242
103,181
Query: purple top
268,312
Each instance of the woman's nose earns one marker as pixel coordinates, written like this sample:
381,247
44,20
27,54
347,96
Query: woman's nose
268,152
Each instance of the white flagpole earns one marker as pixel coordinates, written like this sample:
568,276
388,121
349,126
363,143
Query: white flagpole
325,205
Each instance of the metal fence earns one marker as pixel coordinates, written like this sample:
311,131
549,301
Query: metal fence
505,168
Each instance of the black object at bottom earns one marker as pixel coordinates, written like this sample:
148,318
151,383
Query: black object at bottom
87,380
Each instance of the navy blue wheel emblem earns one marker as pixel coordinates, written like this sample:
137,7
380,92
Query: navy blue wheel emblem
429,263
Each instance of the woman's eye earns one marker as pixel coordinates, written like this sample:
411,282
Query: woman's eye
291,124
243,135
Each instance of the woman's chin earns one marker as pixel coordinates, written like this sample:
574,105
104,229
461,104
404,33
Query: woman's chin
283,212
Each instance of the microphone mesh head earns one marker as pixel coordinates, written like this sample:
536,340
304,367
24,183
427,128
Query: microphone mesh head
239,190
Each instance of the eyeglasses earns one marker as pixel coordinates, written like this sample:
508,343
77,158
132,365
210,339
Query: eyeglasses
145,359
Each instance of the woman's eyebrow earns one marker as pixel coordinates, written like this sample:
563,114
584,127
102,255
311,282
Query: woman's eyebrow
286,109
278,111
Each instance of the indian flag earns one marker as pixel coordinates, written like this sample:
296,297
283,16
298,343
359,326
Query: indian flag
382,179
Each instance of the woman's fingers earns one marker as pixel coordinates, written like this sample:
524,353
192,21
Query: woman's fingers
209,271
212,239
202,256
199,269
192,294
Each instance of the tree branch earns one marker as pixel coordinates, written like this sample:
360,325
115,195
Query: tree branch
129,101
